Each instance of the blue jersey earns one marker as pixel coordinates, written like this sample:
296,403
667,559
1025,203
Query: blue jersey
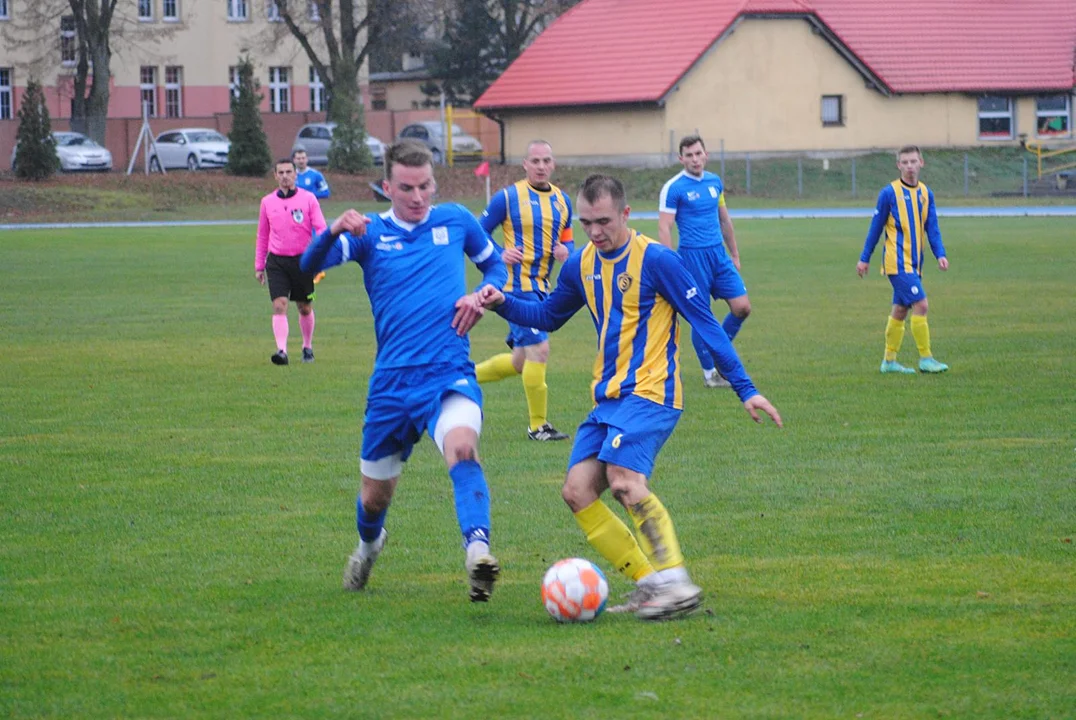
907,216
414,274
313,181
634,295
695,202
534,221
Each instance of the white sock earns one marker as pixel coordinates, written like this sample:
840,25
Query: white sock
367,549
651,580
477,548
709,374
674,575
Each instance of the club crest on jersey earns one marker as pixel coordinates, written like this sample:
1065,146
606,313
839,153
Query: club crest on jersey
440,236
624,281
713,191
297,216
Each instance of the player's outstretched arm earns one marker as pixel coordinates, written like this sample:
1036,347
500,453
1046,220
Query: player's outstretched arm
757,403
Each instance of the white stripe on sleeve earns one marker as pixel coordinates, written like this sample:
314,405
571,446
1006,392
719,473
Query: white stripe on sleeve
484,255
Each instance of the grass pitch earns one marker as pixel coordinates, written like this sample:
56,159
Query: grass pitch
176,511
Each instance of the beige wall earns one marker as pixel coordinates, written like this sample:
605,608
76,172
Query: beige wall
590,135
401,94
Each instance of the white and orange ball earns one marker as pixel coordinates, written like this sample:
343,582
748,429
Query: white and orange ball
574,590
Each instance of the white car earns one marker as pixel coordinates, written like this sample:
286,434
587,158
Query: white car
316,138
191,148
431,134
77,152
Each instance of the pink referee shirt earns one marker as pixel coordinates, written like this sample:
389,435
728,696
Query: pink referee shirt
286,225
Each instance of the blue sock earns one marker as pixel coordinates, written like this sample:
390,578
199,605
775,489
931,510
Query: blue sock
731,325
472,500
369,524
702,351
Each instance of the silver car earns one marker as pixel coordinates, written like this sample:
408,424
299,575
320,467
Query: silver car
192,148
76,152
431,134
316,138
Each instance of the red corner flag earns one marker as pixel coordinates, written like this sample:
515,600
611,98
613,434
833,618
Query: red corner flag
482,170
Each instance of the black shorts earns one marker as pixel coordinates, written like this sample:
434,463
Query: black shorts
287,280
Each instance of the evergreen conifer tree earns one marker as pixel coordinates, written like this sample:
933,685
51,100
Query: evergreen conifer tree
348,152
35,158
249,153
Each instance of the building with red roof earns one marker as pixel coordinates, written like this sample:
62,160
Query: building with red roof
622,80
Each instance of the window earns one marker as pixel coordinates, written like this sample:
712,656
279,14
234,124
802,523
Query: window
995,118
233,81
317,91
279,90
145,10
272,11
4,12
1053,116
378,98
832,110
148,87
173,91
170,10
68,42
315,11
237,9
5,94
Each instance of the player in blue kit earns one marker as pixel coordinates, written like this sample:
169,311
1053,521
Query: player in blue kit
695,200
906,215
634,289
307,177
423,380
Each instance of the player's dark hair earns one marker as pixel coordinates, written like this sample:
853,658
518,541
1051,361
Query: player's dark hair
688,141
596,187
284,161
409,153
908,149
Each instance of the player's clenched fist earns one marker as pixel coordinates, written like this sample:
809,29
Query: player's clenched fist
352,221
490,297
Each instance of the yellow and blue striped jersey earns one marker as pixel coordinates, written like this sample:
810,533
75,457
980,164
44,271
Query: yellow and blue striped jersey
634,295
534,221
907,217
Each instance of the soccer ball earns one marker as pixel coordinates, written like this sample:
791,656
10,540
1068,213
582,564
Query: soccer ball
574,590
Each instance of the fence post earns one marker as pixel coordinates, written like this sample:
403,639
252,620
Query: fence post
799,175
1025,176
747,157
722,158
854,189
672,146
965,174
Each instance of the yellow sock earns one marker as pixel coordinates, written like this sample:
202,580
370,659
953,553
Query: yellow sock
894,336
921,333
607,534
496,368
537,392
656,535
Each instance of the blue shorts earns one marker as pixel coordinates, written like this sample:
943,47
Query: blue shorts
713,271
907,289
520,336
627,432
401,404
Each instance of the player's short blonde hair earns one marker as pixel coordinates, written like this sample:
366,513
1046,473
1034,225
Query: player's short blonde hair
409,153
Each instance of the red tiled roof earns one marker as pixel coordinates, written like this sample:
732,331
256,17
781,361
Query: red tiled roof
634,51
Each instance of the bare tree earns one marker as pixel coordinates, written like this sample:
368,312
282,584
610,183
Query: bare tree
87,29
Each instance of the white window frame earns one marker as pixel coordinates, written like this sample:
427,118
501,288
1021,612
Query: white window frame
233,81
828,119
314,11
170,10
317,91
68,37
272,11
1009,115
279,89
238,10
5,13
145,10
7,93
147,89
1041,114
173,91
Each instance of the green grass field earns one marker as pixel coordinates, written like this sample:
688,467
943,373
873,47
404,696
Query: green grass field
175,512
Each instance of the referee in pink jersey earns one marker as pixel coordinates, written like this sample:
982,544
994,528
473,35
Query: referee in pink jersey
288,219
